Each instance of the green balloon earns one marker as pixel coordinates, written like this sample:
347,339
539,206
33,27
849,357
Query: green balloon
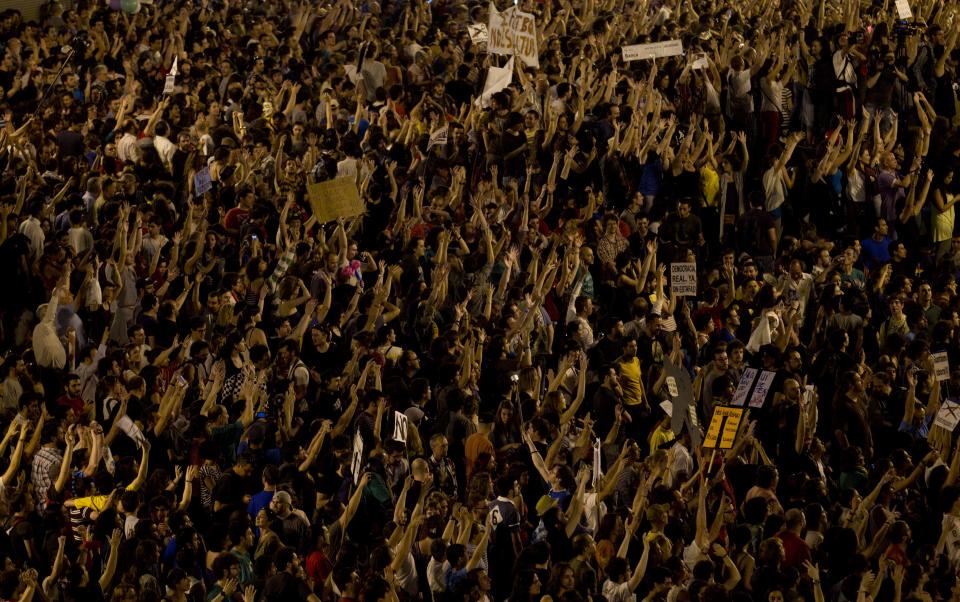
130,6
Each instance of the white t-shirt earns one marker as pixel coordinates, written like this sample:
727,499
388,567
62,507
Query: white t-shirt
618,592
951,530
774,188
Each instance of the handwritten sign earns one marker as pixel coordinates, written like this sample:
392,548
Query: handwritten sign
903,9
478,33
335,198
941,366
760,392
400,426
654,50
356,460
722,432
744,386
202,182
948,416
683,279
513,32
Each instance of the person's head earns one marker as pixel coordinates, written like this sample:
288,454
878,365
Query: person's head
794,520
439,446
286,560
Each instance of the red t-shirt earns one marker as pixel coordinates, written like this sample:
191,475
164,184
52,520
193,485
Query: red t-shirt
796,550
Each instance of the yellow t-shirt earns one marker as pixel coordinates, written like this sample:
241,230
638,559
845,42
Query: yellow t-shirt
97,502
660,436
710,182
631,381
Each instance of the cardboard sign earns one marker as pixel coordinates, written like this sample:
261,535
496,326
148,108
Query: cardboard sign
400,426
356,460
513,32
948,416
683,279
683,397
202,182
762,389
722,432
903,9
743,388
478,33
498,78
941,366
655,50
335,198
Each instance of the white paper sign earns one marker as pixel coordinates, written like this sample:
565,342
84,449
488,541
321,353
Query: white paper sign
169,83
672,387
941,366
596,462
513,32
700,63
478,33
762,389
498,78
356,460
746,381
438,137
948,416
683,279
400,426
654,50
903,9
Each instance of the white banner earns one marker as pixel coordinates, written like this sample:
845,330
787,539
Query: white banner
655,50
498,78
513,32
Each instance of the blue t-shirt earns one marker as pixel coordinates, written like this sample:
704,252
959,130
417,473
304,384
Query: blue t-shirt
875,253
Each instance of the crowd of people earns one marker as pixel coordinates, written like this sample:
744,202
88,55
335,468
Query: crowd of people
467,392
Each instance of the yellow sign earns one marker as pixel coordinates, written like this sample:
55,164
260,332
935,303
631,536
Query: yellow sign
723,428
335,198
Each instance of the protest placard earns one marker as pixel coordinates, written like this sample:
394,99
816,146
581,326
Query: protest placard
948,416
335,198
202,182
762,389
654,50
941,366
478,33
513,32
356,459
903,9
400,426
683,279
722,431
744,386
